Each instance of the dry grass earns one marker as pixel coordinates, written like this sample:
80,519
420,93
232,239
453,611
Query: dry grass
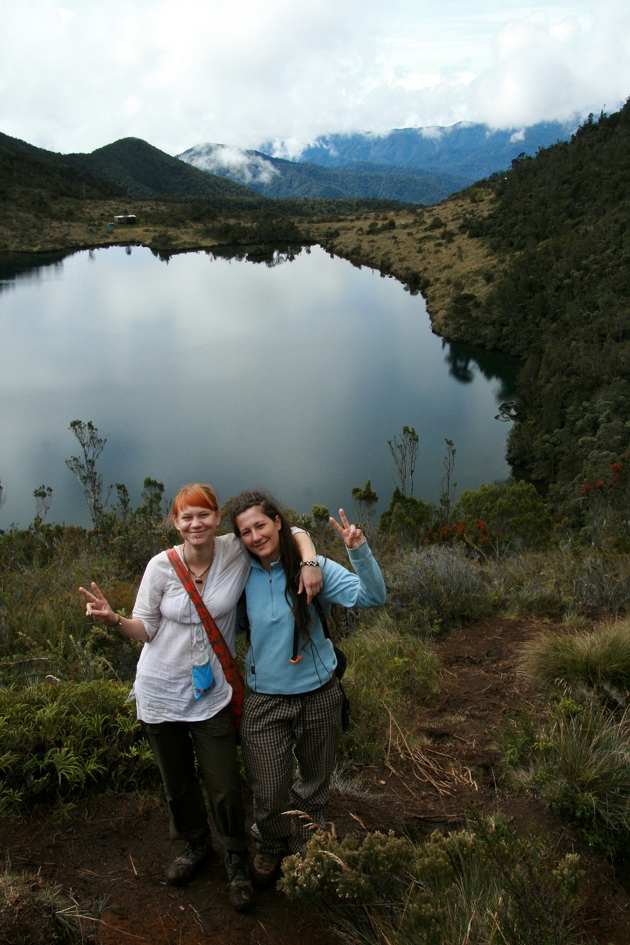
453,265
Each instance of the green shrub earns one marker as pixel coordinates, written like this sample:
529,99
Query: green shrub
359,872
439,587
597,659
406,519
70,738
486,885
513,512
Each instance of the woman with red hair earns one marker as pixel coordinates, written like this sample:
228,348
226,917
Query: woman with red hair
183,697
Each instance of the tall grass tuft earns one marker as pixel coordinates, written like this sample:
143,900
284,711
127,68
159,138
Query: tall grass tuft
387,670
579,762
595,660
33,912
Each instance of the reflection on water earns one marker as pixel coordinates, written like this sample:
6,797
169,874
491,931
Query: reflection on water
286,370
463,359
24,266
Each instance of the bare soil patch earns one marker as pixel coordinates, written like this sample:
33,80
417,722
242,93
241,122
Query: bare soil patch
115,849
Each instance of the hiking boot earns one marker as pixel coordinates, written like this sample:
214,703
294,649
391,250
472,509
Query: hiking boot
240,886
183,866
265,868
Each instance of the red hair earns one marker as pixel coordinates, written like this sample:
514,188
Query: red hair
196,494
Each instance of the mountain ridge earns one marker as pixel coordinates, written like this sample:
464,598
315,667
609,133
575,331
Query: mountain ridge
473,149
279,178
137,167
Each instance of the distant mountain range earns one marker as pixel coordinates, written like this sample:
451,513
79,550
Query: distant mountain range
414,165
410,165
472,150
281,179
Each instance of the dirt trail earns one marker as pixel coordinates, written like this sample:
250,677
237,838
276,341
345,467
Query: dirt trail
115,848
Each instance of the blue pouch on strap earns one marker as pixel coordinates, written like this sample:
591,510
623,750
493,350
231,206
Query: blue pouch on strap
202,679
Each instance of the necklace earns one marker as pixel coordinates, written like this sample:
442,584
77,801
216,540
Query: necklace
198,578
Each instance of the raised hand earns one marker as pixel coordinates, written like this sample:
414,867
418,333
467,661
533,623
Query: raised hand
351,534
97,607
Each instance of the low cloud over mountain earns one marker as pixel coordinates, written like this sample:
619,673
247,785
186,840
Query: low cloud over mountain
246,167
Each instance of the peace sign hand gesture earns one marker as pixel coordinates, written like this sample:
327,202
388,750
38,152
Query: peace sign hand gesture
97,607
351,534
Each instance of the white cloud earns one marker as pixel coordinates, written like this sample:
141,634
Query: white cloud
179,72
238,164
545,70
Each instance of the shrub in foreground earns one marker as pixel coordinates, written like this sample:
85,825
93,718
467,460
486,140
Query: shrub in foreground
439,587
486,885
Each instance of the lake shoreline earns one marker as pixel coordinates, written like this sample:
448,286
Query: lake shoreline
424,248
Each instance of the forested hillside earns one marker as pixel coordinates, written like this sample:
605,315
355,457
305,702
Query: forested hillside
561,302
143,170
25,178
36,195
137,168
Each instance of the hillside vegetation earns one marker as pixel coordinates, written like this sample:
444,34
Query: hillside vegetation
143,170
559,230
136,167
534,263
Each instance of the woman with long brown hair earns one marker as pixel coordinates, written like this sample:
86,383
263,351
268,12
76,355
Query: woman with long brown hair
294,704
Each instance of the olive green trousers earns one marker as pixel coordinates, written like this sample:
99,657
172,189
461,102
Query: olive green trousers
212,743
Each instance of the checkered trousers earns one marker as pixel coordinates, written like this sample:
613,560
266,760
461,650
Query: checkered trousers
274,730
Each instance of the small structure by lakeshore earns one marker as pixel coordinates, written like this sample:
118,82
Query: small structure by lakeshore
129,218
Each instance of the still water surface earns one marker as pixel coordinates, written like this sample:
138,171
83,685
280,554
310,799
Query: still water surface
290,376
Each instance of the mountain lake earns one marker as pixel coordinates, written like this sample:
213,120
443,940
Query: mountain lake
290,372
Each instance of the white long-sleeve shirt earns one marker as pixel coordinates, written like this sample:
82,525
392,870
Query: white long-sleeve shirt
163,688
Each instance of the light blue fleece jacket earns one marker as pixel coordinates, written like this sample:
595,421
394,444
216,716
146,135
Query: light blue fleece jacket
269,667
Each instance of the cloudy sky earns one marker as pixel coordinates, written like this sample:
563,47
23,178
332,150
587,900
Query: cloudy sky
79,74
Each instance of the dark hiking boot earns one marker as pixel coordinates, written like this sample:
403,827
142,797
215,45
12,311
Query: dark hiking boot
265,868
240,886
183,866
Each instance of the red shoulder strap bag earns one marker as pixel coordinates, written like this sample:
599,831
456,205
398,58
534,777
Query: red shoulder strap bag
228,663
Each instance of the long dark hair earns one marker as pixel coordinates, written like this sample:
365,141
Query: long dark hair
290,557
